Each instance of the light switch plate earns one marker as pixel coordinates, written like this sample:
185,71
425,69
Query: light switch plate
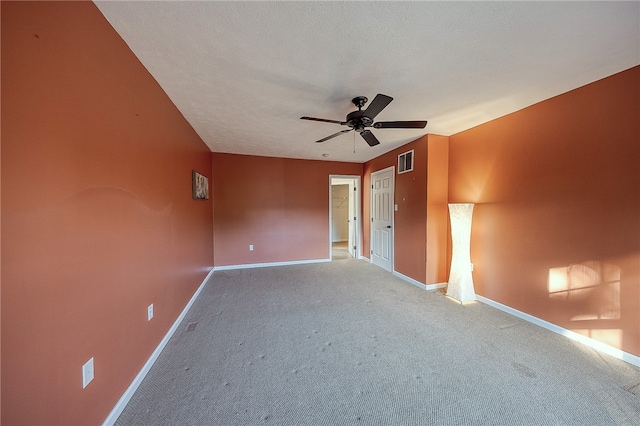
87,373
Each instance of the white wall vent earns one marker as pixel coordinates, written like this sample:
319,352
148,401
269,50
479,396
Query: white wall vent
405,162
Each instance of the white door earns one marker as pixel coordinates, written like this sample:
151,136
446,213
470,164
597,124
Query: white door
382,218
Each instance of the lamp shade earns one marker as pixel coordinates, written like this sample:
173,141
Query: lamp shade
460,285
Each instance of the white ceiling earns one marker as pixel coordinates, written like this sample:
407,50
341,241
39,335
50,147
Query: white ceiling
243,73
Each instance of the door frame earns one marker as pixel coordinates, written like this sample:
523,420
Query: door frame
358,212
392,250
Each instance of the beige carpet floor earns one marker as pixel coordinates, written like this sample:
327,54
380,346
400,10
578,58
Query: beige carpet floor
339,251
346,343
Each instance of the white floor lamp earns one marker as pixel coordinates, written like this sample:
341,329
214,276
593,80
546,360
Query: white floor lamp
460,286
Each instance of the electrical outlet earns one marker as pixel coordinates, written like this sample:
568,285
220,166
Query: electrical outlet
150,312
471,267
250,247
87,373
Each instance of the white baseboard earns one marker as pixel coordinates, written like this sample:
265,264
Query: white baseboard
593,343
418,283
435,286
126,396
409,280
265,265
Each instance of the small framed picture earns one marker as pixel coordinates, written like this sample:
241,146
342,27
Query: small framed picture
200,186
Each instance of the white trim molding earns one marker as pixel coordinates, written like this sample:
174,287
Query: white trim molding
592,343
269,264
409,280
126,396
356,181
418,284
435,286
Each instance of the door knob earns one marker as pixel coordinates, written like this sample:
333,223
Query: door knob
389,226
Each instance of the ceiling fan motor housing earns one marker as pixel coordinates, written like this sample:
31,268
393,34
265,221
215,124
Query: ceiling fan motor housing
357,120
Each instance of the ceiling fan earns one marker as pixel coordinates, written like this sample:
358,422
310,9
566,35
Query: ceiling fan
360,120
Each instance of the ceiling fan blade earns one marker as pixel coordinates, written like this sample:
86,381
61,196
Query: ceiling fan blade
400,125
370,138
334,135
378,104
323,120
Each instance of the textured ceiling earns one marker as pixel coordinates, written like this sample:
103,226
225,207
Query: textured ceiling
243,73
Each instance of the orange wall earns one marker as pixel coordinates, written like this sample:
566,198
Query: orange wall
557,193
438,234
279,205
410,228
97,216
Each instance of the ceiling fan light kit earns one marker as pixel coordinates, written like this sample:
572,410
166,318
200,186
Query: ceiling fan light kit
359,120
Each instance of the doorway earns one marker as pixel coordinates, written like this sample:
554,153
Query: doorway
382,196
344,217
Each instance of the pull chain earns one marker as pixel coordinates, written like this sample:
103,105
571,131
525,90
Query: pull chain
354,142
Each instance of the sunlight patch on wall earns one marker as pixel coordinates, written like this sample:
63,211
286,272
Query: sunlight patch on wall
591,288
